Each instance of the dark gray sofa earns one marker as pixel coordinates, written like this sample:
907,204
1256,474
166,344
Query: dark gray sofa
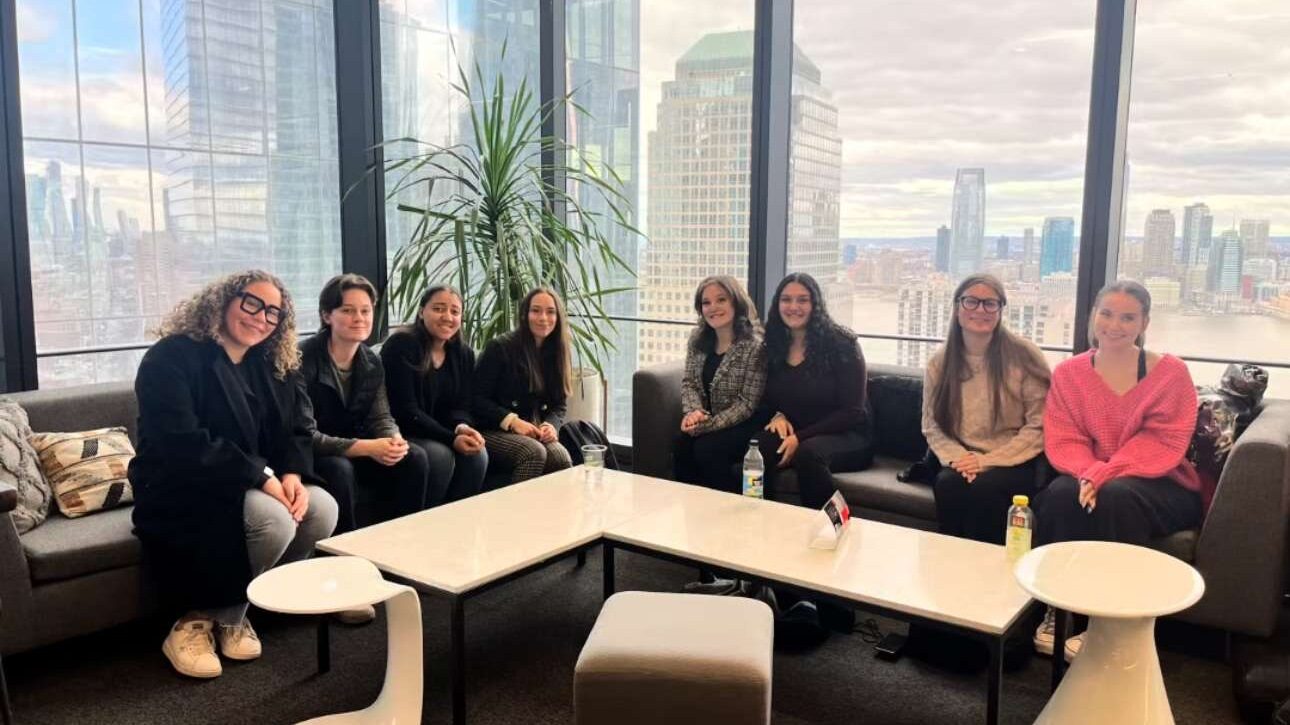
1240,550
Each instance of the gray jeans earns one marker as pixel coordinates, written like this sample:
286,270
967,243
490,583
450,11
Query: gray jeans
273,537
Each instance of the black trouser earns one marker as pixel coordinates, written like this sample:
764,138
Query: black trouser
815,462
400,489
1129,510
453,475
714,459
979,510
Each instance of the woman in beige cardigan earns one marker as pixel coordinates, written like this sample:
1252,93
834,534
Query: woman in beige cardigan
983,412
725,372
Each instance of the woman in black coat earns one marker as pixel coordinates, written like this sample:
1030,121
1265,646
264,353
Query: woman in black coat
342,389
219,477
429,371
521,385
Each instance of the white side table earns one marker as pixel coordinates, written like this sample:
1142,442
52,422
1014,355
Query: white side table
336,584
1122,588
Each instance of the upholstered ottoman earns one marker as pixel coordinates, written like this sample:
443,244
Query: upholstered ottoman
672,658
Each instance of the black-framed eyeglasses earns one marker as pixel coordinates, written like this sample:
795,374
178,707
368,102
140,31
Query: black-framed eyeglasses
253,305
988,304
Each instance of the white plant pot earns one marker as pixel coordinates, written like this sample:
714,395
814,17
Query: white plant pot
587,401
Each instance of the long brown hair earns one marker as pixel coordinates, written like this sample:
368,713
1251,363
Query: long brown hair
1130,288
746,323
1005,352
556,349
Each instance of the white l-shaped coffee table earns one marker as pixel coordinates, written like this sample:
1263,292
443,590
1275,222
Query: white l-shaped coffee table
470,546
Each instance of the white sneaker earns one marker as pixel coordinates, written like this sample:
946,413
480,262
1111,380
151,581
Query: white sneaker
362,615
239,641
1074,645
190,647
1046,635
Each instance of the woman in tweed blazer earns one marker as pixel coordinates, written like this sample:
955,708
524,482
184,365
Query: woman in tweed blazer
725,372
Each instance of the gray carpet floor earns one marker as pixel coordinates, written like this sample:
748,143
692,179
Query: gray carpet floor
522,641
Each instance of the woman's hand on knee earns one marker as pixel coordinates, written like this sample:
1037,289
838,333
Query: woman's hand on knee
297,496
547,433
525,428
692,419
968,466
780,426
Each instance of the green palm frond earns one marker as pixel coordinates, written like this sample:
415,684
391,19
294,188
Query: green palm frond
492,230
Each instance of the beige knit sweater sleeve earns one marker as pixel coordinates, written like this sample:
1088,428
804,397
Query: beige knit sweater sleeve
947,449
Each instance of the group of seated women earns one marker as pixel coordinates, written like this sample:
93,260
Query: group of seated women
1112,424
251,448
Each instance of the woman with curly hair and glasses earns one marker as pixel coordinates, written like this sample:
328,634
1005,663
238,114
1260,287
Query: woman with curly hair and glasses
223,457
725,372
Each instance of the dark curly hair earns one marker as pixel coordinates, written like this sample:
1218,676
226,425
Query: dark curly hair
828,344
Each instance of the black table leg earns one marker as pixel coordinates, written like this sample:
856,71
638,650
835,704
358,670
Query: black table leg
457,660
324,645
995,681
609,569
1061,621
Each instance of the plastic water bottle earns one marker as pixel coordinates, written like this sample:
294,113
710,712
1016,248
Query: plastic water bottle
754,470
1021,524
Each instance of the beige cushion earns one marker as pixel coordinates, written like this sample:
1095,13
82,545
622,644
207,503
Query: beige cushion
655,658
20,467
87,470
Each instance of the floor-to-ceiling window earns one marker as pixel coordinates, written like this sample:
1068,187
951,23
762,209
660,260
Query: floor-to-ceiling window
168,142
668,87
1206,218
933,140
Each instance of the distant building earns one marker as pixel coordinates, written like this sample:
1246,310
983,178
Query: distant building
967,225
1254,237
1002,248
1166,293
1057,246
943,249
1197,235
1158,243
1226,259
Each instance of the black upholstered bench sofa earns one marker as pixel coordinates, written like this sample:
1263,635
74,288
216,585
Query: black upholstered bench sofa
1240,549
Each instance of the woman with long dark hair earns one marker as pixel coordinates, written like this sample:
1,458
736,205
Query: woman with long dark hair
430,372
815,393
983,413
223,478
522,382
1117,427
725,373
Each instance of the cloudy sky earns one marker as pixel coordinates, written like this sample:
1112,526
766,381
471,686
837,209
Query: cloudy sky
924,87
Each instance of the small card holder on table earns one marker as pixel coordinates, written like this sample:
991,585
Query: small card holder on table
830,523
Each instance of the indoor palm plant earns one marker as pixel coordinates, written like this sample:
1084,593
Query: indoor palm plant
491,226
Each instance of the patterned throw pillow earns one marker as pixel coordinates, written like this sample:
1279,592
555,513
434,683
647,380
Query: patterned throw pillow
87,470
20,467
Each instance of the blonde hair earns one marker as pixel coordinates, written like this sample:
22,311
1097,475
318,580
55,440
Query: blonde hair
201,317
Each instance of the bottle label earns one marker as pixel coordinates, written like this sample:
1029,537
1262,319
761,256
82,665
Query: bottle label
752,485
1018,542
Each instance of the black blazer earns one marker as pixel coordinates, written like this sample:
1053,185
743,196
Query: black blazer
193,466
428,406
502,388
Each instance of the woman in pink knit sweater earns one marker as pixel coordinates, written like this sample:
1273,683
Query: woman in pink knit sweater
1117,426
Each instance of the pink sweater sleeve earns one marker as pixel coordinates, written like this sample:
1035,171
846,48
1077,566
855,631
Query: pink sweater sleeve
1159,445
1067,446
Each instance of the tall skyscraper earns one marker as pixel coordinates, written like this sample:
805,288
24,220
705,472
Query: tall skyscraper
1002,248
698,183
1197,235
1029,256
1057,246
943,249
967,224
245,82
1226,260
1254,235
1158,243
